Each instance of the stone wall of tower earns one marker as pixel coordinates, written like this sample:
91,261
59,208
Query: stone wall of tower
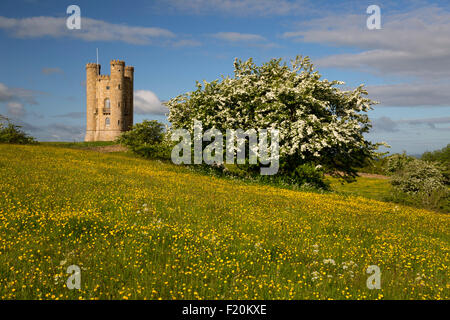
109,101
92,71
129,108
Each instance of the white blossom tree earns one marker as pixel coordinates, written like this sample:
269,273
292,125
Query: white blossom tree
319,123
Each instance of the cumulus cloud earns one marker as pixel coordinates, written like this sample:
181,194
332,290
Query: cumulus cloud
60,132
5,93
15,109
430,122
411,94
386,124
91,30
16,98
146,102
415,43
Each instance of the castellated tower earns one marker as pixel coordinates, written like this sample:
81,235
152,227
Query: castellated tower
109,101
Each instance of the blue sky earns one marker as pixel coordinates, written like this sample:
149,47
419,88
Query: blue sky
173,43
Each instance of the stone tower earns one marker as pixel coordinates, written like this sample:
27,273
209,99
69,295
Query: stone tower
109,101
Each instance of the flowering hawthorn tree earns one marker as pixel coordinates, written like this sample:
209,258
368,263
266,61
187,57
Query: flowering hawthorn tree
319,123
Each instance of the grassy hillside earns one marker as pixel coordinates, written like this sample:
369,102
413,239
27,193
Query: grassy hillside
372,188
145,229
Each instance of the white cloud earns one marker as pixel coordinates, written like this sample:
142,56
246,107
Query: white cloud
16,98
411,94
5,93
15,109
431,122
416,43
91,30
146,102
386,124
59,132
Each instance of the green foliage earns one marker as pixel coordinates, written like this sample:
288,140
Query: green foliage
308,175
375,165
79,144
396,163
11,133
143,135
438,200
443,158
422,181
148,140
160,151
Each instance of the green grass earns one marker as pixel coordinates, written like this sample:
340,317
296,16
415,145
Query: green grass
372,188
148,229
79,145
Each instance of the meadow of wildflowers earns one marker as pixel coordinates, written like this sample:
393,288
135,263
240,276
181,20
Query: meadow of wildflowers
142,229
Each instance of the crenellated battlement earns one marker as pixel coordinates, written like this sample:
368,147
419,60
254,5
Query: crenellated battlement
117,62
129,68
92,65
104,77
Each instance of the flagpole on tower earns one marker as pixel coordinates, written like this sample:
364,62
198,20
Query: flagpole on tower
97,62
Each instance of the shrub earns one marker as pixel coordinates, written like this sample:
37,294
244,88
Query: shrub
423,181
156,151
11,133
443,158
143,134
148,140
308,174
396,163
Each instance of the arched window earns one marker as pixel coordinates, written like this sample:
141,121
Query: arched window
107,104
107,121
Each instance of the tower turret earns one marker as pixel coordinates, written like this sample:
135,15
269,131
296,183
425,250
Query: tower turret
117,95
92,71
129,107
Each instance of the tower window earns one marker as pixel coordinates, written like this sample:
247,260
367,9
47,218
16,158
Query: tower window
118,121
107,121
119,86
107,87
107,104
